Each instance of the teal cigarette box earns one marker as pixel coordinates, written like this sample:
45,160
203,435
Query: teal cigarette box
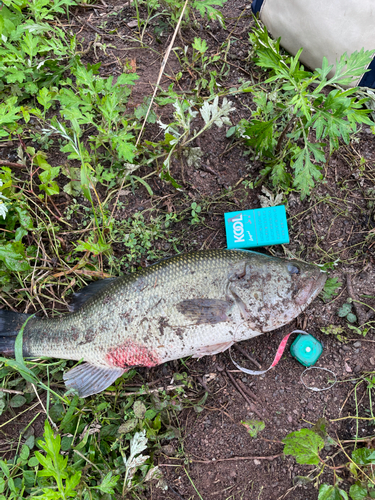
256,228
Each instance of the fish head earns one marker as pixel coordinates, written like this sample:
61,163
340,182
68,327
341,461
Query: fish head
270,292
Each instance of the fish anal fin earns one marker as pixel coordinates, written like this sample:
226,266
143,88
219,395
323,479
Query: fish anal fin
88,379
212,349
204,311
85,293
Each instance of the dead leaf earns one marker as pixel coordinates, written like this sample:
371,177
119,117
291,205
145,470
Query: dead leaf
347,367
132,24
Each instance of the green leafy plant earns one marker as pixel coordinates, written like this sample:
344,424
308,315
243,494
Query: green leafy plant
195,211
330,287
301,105
179,134
205,67
306,445
337,331
253,426
345,311
204,7
26,64
55,466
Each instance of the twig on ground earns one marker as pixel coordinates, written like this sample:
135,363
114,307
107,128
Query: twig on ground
363,317
251,404
244,353
12,164
10,391
247,390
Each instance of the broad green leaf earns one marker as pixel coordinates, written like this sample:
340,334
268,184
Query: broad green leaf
304,445
24,217
363,456
13,256
328,492
17,401
356,492
25,452
33,462
4,467
344,310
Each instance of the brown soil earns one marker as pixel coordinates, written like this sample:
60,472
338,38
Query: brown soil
336,222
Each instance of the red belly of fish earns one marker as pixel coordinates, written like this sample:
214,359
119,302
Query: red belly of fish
131,354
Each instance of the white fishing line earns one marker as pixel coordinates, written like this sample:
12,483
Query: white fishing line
316,389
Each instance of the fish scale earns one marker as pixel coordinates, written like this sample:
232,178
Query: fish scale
189,305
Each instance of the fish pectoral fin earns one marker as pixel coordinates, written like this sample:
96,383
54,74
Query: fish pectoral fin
87,292
204,311
212,349
89,379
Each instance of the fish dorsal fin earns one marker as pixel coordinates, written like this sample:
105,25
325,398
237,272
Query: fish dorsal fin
89,379
210,311
85,293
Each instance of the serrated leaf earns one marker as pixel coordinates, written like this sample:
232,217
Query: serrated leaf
330,287
108,484
261,135
305,172
357,492
212,113
304,445
329,492
363,456
205,7
200,45
253,426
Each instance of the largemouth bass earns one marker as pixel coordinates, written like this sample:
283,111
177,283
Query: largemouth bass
190,305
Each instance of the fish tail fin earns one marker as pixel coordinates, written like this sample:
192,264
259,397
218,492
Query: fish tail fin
10,325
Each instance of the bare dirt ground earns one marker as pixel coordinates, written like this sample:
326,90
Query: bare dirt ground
334,224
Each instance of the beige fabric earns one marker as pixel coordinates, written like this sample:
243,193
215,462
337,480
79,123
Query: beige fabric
322,27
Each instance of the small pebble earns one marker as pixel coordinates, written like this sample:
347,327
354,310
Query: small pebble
357,344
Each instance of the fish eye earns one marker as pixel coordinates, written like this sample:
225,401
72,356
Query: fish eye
293,269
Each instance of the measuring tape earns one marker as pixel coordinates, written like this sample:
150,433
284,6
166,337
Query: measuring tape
279,353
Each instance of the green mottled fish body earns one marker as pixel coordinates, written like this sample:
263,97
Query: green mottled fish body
189,305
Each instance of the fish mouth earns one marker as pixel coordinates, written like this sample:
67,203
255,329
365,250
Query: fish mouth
311,290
